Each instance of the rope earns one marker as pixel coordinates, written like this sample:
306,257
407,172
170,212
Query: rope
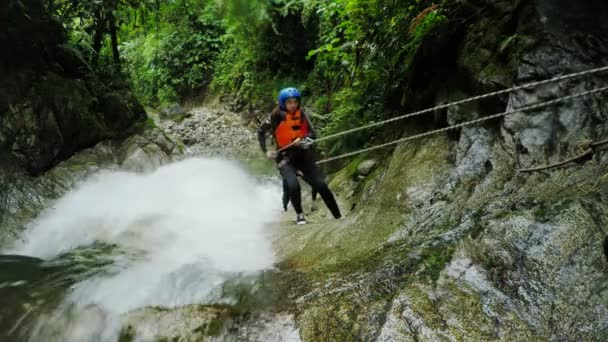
587,150
289,145
562,163
599,143
467,123
467,100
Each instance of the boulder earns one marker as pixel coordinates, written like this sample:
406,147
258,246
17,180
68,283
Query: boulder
366,167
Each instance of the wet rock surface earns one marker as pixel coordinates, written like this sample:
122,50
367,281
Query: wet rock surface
447,241
443,239
23,197
52,104
208,130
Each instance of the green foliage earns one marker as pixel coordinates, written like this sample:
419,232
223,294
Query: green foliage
142,66
173,58
244,17
364,54
426,25
350,57
265,49
233,70
353,69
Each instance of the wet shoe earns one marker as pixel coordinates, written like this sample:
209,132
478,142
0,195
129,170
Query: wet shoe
300,219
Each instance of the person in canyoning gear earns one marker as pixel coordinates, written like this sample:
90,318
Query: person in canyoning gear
286,195
293,134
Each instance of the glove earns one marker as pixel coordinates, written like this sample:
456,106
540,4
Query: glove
271,155
306,142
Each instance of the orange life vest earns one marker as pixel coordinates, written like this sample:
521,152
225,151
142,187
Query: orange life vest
292,127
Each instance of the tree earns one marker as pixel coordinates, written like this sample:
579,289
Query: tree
98,18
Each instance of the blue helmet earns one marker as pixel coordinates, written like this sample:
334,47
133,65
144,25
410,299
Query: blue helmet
288,93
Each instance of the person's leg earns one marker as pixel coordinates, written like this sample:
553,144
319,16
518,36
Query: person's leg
313,176
313,205
313,192
288,172
285,195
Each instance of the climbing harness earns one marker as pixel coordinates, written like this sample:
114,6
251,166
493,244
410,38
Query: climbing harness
471,122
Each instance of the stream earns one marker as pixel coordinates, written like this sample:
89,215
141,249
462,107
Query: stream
121,241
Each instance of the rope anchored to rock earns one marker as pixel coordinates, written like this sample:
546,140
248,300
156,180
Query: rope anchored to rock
468,123
584,148
467,100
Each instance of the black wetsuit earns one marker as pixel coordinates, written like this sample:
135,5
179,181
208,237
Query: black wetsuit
286,195
296,159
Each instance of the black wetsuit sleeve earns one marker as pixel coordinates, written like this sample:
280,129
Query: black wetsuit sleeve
312,134
262,130
270,124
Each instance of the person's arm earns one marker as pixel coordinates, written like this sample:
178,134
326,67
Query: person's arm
268,125
262,130
312,134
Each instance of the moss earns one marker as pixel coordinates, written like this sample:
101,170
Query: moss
542,213
219,315
479,226
127,334
180,117
466,307
337,322
485,61
424,307
215,326
350,171
349,244
434,261
150,124
159,309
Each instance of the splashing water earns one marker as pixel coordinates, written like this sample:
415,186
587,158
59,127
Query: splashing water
187,228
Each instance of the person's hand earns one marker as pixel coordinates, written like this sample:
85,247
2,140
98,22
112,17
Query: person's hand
306,143
271,155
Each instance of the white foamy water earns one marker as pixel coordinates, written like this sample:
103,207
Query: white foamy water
191,224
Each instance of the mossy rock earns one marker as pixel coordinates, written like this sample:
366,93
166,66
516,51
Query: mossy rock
72,61
120,110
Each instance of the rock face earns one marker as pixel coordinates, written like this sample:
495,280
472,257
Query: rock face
444,239
366,167
207,323
51,103
212,129
448,241
174,112
23,197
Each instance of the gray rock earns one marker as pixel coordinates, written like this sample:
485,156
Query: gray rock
145,159
173,112
60,116
165,144
366,167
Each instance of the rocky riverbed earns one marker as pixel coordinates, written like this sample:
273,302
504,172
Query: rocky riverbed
443,237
